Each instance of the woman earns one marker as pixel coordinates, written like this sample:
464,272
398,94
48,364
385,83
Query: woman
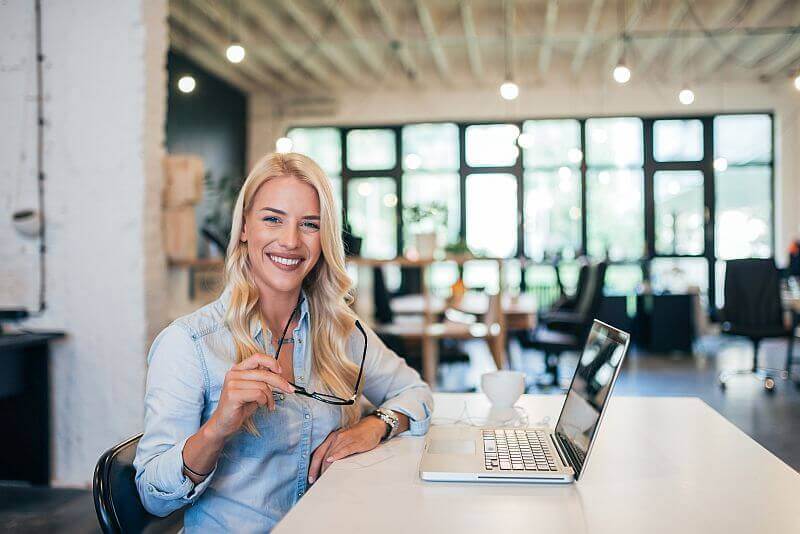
240,418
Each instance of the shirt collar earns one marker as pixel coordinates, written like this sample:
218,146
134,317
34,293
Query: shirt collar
256,324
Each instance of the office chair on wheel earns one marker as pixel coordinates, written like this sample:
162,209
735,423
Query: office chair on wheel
116,499
753,310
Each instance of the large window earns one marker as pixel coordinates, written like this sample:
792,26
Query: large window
666,198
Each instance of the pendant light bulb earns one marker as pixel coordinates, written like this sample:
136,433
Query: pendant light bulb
235,53
509,90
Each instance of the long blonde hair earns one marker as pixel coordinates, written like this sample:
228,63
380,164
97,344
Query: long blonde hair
327,286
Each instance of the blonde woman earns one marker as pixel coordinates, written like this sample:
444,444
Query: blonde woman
251,398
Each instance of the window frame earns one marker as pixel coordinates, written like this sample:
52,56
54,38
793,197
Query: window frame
517,170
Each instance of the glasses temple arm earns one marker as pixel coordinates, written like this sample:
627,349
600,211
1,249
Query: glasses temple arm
363,357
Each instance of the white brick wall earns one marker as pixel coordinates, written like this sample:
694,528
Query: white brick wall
105,90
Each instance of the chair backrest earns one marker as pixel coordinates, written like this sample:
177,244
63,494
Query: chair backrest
382,297
752,293
570,302
591,291
116,499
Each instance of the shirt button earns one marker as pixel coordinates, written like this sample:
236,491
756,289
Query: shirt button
299,493
301,378
308,416
280,396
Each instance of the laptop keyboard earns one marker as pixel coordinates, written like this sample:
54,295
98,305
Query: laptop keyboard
517,449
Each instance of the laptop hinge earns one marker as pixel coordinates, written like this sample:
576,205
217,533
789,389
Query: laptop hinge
564,457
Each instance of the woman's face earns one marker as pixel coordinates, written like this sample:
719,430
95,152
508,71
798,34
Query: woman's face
282,233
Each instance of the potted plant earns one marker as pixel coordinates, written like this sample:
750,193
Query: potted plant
424,222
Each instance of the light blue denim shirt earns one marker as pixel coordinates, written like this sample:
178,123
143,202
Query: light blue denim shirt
257,479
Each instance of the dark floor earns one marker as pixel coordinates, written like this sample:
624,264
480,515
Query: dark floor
25,509
772,419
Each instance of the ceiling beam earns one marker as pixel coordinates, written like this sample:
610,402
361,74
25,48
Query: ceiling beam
721,16
782,62
399,47
471,36
657,46
317,36
262,21
348,23
197,25
197,52
761,13
249,37
509,25
546,51
617,48
585,44
429,28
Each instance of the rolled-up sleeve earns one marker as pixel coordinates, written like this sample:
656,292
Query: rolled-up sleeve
174,400
390,383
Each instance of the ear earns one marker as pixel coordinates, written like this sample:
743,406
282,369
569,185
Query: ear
243,234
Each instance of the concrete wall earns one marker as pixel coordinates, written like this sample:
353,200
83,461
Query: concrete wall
105,96
569,100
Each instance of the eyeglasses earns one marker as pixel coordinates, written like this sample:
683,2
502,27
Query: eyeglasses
324,397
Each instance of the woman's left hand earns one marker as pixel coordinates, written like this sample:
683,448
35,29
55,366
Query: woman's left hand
363,436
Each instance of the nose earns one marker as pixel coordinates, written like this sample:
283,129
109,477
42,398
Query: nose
290,237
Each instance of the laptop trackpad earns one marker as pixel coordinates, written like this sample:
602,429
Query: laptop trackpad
451,446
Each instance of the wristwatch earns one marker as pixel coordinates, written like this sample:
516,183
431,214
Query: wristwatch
391,420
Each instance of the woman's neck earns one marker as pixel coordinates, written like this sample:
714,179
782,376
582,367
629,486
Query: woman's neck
276,307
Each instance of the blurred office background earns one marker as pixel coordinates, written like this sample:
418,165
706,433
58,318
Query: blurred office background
506,171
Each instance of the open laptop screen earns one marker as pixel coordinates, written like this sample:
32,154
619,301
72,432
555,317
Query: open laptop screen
588,394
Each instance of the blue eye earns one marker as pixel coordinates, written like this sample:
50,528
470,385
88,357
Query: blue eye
271,219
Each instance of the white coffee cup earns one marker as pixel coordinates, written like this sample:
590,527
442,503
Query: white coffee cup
503,387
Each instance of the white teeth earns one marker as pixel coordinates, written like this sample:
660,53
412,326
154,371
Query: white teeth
284,261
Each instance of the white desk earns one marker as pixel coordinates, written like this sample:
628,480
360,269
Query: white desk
660,465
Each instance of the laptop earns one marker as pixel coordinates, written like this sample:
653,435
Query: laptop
534,455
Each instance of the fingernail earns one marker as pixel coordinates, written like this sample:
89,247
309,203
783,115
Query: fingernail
310,480
329,459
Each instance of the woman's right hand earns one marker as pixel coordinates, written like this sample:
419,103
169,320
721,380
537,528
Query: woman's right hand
247,386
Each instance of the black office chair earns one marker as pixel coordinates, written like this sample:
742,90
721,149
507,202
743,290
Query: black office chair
116,500
566,302
566,330
753,310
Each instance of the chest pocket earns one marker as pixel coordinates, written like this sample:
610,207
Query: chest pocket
276,431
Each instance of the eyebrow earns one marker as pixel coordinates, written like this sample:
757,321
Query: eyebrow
281,212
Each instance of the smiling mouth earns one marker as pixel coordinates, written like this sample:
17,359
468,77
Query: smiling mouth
285,263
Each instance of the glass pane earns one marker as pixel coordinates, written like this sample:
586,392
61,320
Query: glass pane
679,212
491,217
615,142
372,215
430,147
743,209
679,275
490,145
677,140
552,213
551,143
425,191
482,275
541,281
622,279
323,145
615,215
742,139
370,150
